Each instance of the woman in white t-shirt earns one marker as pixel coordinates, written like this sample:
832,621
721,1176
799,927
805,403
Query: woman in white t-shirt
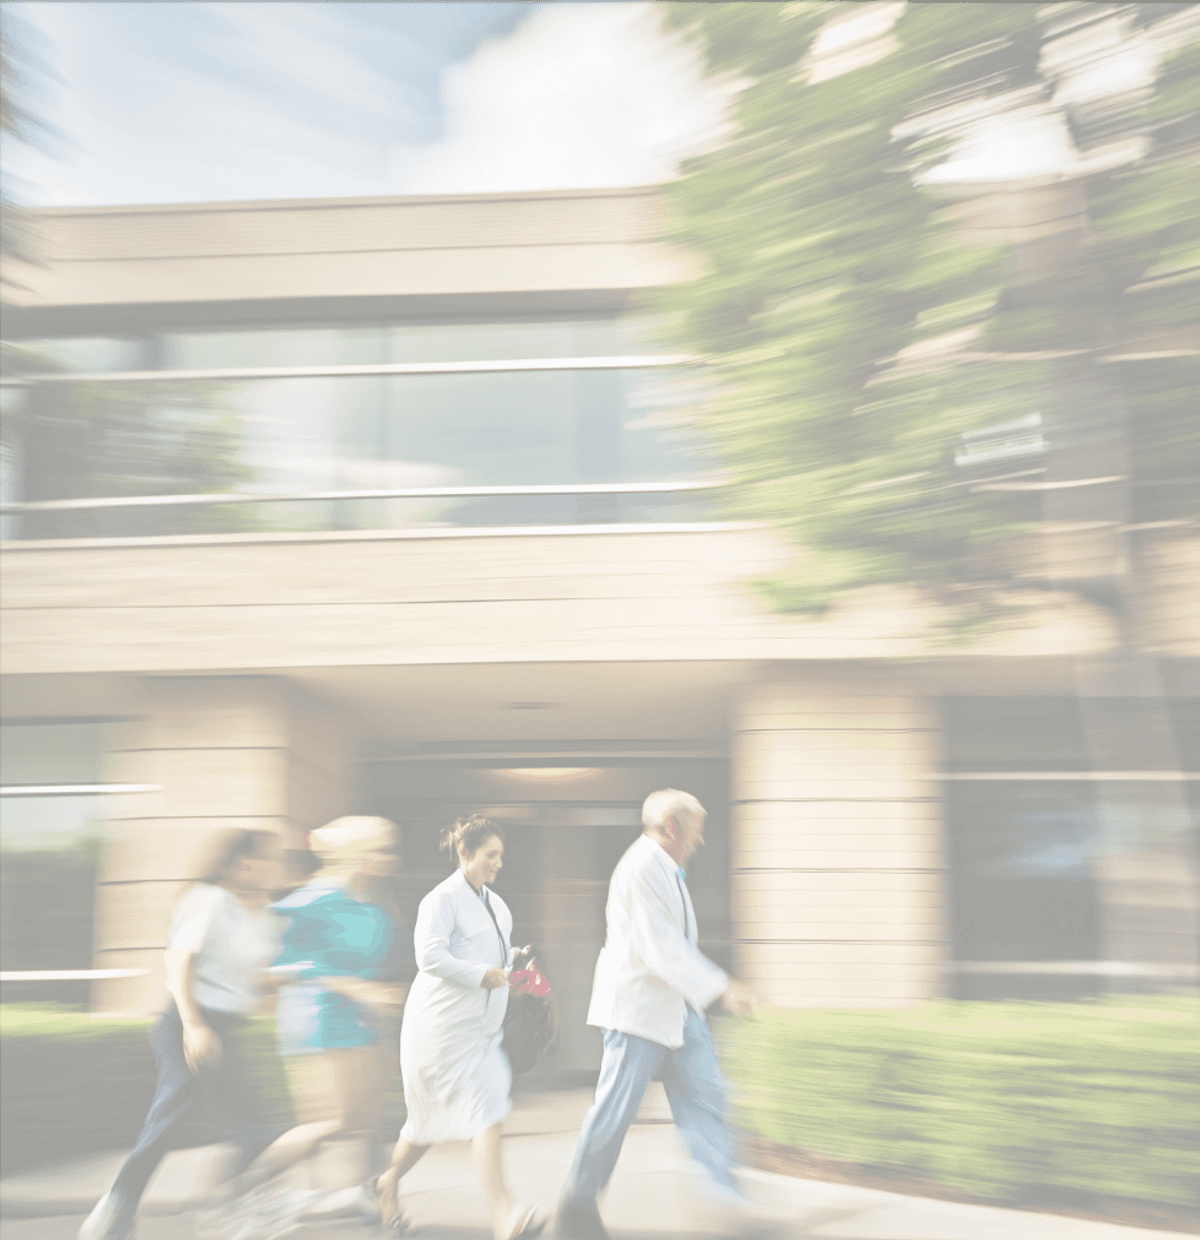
220,941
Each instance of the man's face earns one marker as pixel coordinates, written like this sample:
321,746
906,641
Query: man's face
688,836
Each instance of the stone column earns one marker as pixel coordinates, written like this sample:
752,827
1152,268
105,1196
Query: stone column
838,865
222,751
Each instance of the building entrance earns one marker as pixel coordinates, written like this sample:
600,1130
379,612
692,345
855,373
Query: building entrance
566,822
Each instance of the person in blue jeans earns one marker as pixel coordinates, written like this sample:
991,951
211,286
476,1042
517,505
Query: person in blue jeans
219,943
651,988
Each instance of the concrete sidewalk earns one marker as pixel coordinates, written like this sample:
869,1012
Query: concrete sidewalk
651,1193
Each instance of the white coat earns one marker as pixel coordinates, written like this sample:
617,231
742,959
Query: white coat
457,1079
650,969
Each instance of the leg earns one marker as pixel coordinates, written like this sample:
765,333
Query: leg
629,1065
696,1092
174,1096
489,1163
405,1157
312,1102
236,1082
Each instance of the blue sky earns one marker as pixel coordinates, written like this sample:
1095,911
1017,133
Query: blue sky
181,102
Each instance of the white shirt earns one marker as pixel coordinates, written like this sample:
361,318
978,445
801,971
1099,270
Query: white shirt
650,969
231,945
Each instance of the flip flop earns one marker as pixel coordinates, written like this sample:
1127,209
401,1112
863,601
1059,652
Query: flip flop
526,1224
392,1218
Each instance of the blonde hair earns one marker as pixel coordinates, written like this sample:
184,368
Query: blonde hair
351,836
669,803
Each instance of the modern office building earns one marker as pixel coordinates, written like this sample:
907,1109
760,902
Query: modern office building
539,609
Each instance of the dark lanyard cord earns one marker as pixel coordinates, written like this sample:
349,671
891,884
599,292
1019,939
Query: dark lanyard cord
487,904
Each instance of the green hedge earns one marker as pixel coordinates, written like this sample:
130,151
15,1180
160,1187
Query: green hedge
72,1084
1014,1102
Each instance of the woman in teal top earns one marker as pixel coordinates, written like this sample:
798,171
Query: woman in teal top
329,934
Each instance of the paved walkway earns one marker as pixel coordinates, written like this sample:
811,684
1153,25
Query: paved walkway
649,1196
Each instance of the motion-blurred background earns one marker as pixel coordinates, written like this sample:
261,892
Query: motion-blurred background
412,409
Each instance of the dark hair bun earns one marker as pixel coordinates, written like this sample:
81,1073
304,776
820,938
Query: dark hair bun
469,833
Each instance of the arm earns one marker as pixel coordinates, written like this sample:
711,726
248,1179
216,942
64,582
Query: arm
435,923
200,1044
665,949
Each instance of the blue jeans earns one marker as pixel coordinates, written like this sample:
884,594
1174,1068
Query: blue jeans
695,1090
176,1094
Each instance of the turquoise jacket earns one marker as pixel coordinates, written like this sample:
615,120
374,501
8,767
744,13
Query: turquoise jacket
328,933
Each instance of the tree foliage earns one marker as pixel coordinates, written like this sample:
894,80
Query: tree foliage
100,439
19,123
854,334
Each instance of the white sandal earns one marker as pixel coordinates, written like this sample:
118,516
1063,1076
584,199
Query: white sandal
526,1223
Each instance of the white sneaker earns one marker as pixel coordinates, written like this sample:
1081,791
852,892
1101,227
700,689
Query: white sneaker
279,1212
103,1222
352,1203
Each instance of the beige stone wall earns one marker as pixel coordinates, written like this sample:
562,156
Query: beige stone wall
838,869
259,602
217,752
557,241
1169,592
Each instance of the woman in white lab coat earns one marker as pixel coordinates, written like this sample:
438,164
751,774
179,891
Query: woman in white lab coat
457,1080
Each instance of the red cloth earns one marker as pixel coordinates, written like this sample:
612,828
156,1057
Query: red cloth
529,982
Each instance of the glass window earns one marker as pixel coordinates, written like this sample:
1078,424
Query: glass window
1022,886
284,346
1020,734
449,341
358,433
87,354
515,339
50,823
50,753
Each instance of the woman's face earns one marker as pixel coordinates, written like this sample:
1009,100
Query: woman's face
484,863
255,873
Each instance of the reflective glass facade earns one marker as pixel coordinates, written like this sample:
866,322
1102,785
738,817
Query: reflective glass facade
287,434
1044,837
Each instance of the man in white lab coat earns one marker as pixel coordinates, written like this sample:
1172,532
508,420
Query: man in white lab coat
651,989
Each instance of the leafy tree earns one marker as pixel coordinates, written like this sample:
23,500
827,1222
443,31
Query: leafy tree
99,439
828,267
839,292
20,123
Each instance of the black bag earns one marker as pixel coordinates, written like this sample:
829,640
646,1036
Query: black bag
531,1021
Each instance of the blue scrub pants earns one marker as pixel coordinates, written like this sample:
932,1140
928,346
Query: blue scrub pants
233,1082
694,1088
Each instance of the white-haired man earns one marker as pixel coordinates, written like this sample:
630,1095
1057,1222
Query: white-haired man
651,989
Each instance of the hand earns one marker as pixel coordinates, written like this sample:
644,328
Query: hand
384,996
738,999
493,979
201,1047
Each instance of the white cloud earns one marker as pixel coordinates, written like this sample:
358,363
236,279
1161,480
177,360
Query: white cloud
582,96
204,102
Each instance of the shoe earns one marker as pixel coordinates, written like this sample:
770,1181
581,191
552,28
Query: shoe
234,1209
280,1212
356,1203
525,1223
385,1191
105,1221
580,1220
